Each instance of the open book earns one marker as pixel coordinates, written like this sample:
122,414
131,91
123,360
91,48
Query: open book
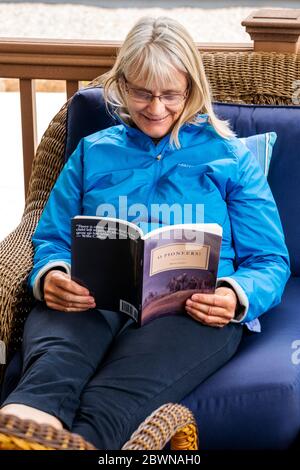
144,275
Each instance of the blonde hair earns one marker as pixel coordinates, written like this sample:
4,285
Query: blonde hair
152,49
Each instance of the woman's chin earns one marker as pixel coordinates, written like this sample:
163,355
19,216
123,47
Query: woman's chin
155,130
155,135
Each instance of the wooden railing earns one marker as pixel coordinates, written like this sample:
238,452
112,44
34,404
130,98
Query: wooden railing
71,61
75,61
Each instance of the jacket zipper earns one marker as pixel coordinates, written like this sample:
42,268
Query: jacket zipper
156,176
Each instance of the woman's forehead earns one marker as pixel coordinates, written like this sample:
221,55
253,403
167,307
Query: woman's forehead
170,80
155,68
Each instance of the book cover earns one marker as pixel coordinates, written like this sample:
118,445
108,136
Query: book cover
144,275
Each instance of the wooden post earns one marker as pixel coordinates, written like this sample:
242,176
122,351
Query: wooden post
72,87
274,30
29,126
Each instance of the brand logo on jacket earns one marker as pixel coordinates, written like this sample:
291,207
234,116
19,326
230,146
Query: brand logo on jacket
185,165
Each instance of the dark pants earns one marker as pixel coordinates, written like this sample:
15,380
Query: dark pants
102,376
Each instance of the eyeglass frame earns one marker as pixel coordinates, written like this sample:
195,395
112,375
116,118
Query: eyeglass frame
184,95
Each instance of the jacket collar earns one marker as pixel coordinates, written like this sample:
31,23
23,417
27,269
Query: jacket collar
185,128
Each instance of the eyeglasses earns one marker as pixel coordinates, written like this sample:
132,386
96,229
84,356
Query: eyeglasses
168,99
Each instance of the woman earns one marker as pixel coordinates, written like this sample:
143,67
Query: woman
91,371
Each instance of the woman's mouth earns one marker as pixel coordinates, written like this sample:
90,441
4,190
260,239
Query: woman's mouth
158,120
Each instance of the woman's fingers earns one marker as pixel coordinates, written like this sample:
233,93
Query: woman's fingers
60,292
209,310
213,309
58,279
67,296
223,297
65,283
69,301
64,308
205,319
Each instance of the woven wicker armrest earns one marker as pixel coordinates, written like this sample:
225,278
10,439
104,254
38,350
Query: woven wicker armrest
16,251
25,434
174,422
169,422
15,263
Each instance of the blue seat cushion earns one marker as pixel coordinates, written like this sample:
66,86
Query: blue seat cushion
253,402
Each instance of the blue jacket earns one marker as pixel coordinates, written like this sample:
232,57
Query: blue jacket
218,177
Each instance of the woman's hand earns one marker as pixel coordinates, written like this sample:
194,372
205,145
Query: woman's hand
213,309
61,293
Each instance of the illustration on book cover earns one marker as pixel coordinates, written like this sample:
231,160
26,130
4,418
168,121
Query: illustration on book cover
174,270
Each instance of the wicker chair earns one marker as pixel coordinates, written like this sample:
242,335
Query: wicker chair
239,77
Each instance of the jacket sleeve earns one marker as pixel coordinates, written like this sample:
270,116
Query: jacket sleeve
52,237
262,260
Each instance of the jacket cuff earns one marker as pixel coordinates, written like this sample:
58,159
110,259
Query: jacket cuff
37,285
241,295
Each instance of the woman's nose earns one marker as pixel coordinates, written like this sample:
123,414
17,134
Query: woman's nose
156,106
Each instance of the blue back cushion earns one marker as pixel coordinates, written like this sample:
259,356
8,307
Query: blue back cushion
261,145
87,114
284,172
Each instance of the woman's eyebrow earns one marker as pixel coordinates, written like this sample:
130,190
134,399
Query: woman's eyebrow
171,90
163,91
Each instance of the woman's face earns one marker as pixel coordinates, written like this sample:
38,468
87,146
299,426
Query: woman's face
155,117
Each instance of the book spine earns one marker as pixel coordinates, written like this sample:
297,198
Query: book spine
140,277
73,241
